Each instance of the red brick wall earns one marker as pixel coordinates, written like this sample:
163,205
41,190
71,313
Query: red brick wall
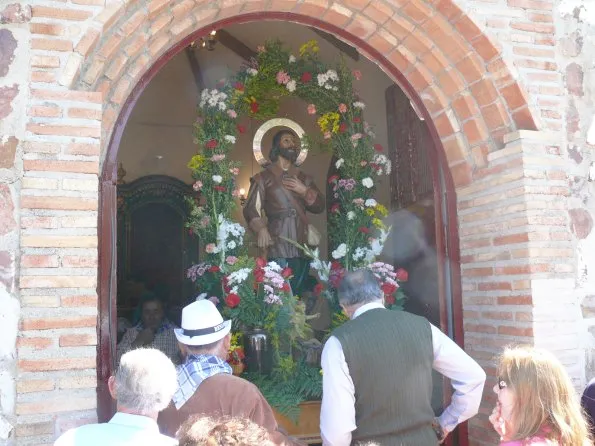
468,69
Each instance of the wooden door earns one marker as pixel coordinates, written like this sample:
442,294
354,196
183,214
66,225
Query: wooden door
154,246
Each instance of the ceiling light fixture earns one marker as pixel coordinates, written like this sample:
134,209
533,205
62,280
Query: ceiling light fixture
207,43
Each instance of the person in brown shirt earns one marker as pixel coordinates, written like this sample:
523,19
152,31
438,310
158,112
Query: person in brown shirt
205,381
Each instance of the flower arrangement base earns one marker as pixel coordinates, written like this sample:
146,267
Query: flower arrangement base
238,369
307,428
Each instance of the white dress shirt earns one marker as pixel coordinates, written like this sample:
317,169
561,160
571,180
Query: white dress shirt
337,415
123,429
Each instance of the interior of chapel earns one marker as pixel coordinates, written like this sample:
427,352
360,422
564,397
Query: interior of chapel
155,245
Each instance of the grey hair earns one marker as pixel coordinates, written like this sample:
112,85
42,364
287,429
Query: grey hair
145,381
359,287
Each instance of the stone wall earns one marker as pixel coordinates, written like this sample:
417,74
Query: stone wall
14,87
575,26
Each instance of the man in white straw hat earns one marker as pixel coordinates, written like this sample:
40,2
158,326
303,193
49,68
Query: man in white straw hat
206,384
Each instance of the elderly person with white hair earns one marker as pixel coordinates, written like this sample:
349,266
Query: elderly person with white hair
377,380
142,386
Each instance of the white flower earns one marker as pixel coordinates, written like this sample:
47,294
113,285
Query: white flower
350,215
217,179
222,106
252,71
292,58
367,182
359,253
359,104
370,202
231,245
291,85
230,138
340,251
339,163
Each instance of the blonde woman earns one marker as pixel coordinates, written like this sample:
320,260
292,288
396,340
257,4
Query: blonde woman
537,404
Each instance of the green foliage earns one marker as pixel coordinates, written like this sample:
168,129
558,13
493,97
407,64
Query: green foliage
287,387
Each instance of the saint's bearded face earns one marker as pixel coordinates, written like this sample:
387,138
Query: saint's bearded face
288,148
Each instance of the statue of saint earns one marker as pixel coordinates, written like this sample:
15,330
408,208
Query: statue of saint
283,194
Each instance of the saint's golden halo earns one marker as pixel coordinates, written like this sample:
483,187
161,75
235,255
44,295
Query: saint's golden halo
278,122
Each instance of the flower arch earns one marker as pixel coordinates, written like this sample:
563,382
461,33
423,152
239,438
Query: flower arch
355,221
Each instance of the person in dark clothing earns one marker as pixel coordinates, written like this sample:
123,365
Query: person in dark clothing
588,403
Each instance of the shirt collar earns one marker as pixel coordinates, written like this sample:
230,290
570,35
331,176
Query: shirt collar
136,421
369,306
292,171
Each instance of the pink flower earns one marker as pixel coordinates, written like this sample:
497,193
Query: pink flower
197,186
342,108
231,260
210,248
214,299
363,163
204,222
311,109
356,136
260,49
283,78
218,157
327,135
358,202
357,74
235,171
232,114
235,193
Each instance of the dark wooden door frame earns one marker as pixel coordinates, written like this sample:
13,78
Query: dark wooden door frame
446,230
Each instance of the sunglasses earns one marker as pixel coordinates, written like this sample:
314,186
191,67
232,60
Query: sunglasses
501,383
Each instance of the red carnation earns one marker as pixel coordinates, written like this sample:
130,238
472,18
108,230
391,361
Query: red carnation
318,289
219,188
306,77
232,300
259,275
343,127
241,128
254,107
333,179
238,86
226,287
388,288
211,144
357,119
285,287
363,229
402,275
260,262
336,265
378,147
389,300
214,269
286,272
335,207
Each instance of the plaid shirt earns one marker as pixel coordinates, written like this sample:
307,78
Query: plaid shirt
194,371
164,340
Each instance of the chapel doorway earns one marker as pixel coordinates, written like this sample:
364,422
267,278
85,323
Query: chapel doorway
158,142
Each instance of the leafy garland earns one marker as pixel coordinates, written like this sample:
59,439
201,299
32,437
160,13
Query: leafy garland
355,218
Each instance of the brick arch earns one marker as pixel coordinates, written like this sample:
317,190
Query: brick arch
450,69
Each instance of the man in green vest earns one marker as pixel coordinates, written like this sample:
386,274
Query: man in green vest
377,374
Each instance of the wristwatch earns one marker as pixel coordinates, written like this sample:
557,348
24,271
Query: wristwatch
440,433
